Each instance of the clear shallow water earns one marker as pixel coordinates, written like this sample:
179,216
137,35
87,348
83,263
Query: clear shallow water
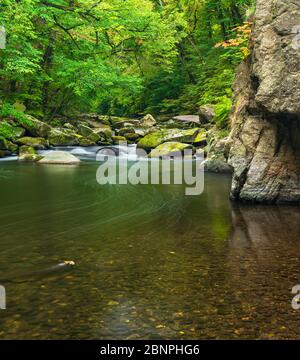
151,263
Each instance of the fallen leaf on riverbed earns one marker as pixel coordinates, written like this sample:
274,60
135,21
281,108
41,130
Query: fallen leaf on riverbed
160,326
112,303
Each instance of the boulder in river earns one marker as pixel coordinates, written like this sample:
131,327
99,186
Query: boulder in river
156,138
118,139
36,143
171,148
217,157
59,158
63,137
86,142
28,154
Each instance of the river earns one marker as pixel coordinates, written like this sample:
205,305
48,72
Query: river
151,262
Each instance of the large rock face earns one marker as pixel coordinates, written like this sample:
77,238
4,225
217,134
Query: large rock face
265,137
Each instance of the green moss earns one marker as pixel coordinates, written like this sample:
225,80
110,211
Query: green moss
170,149
7,145
200,138
118,139
28,153
36,143
156,138
10,132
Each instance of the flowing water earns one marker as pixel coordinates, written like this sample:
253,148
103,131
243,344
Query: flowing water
151,263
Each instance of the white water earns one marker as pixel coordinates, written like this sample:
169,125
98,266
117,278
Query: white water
90,153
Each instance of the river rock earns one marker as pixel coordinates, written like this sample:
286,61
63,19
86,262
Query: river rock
86,142
36,127
125,130
156,138
217,157
36,143
69,126
170,149
147,121
187,118
7,145
63,137
265,146
206,114
28,154
118,139
105,131
59,158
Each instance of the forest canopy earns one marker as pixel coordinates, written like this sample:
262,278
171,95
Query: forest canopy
122,57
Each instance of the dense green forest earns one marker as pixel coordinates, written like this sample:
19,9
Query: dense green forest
121,57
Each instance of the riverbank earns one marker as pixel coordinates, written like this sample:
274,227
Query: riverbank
25,136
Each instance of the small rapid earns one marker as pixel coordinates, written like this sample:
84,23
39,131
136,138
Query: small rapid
90,153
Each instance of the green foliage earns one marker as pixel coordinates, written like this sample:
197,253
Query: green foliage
120,57
9,111
222,109
6,130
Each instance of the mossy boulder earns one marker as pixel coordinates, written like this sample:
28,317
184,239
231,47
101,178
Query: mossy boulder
69,126
36,127
105,131
10,132
126,123
125,130
88,133
63,137
170,149
84,130
156,138
118,139
129,133
59,158
36,143
28,154
86,142
7,145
